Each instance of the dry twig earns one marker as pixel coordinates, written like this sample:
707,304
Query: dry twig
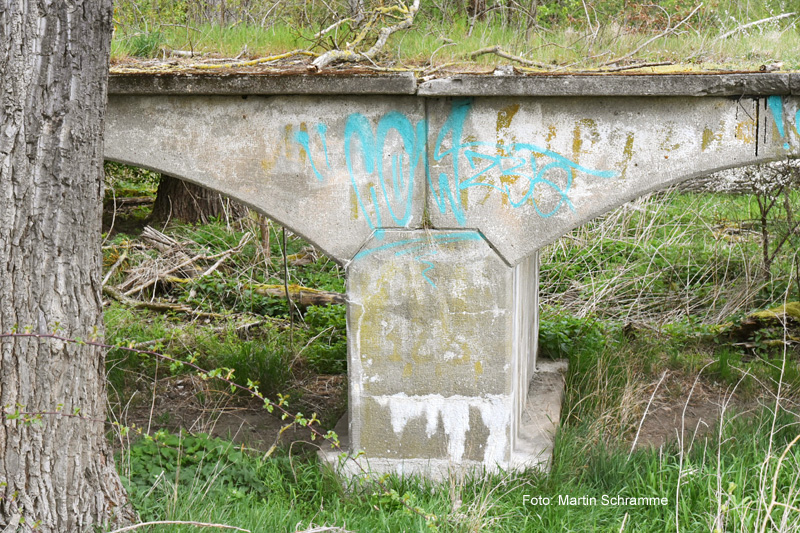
668,31
177,523
497,50
350,54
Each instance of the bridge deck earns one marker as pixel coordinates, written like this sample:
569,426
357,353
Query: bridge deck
360,83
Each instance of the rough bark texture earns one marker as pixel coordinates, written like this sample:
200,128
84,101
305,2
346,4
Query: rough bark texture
178,199
58,473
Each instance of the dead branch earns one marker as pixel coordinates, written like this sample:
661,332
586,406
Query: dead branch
162,307
350,54
332,27
254,62
302,296
668,31
132,200
184,337
166,274
115,266
497,50
751,24
178,523
638,65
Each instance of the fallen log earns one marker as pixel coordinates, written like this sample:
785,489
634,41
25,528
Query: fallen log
301,296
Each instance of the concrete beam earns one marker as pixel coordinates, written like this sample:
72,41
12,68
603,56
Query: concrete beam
739,84
291,82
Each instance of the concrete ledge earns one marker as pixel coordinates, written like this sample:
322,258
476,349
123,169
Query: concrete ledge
534,448
541,417
260,84
732,84
745,84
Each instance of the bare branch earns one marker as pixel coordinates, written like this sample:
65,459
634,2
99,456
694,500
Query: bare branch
497,50
751,24
253,62
350,54
638,65
177,522
664,33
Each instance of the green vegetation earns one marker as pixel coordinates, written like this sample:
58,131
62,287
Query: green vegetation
563,34
653,304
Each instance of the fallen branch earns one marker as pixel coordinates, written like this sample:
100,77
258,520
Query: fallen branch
638,65
751,24
177,523
351,55
190,261
664,33
114,267
302,296
132,200
185,337
116,294
254,62
497,50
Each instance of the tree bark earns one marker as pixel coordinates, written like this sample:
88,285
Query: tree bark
187,202
58,474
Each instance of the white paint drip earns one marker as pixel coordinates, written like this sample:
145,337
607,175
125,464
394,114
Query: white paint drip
453,411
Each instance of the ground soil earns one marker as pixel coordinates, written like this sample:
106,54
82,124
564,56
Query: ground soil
684,408
191,404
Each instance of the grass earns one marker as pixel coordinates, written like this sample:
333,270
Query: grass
566,35
725,482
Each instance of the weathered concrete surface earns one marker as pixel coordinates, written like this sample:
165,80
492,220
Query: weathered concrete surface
283,156
436,198
521,170
533,447
741,84
432,348
248,84
524,171
736,84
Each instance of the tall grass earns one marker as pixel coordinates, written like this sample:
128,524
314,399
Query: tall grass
666,256
566,34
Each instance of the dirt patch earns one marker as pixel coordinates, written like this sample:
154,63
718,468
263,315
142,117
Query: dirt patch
684,408
192,404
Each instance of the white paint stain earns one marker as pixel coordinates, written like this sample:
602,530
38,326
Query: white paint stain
453,412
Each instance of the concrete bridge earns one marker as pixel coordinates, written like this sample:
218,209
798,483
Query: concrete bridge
436,197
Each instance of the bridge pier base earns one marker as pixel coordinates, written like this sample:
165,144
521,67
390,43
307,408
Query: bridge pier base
442,348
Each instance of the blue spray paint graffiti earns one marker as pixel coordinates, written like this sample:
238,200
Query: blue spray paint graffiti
518,160
514,164
515,159
775,104
423,245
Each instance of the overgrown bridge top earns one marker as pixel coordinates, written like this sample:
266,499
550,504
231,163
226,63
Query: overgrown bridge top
369,83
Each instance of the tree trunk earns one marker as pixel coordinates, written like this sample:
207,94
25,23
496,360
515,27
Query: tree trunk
59,472
181,200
